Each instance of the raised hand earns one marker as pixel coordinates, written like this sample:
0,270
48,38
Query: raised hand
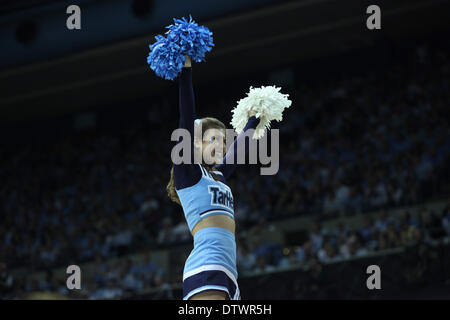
187,64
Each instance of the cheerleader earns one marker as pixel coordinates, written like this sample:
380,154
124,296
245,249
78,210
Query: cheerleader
201,188
210,270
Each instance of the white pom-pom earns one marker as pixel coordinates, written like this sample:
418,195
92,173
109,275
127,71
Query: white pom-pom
268,102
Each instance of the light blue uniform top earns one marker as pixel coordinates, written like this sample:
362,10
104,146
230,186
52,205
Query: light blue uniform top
205,198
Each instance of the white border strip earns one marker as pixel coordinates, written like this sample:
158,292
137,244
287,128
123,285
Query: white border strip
209,267
204,288
216,212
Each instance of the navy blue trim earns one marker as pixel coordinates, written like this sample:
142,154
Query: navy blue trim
209,278
203,170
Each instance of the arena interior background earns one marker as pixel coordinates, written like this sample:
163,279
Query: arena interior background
365,148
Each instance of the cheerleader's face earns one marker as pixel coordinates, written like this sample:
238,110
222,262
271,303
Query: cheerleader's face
213,146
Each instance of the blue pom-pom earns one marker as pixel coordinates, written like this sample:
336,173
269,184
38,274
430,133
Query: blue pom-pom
167,55
165,59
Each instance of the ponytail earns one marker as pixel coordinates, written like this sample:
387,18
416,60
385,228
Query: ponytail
171,192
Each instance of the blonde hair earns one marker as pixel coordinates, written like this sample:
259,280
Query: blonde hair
207,123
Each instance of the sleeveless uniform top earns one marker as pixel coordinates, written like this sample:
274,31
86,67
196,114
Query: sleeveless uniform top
205,198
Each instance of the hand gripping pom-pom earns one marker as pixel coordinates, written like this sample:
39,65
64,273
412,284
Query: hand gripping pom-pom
167,54
268,103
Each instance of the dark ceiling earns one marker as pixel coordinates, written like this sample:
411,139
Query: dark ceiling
8,6
264,38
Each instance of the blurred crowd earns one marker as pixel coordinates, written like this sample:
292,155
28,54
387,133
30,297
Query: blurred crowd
324,245
376,139
103,279
360,142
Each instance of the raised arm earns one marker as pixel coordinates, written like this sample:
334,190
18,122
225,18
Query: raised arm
229,161
187,99
186,175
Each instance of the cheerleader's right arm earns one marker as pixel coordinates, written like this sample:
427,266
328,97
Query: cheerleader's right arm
187,174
